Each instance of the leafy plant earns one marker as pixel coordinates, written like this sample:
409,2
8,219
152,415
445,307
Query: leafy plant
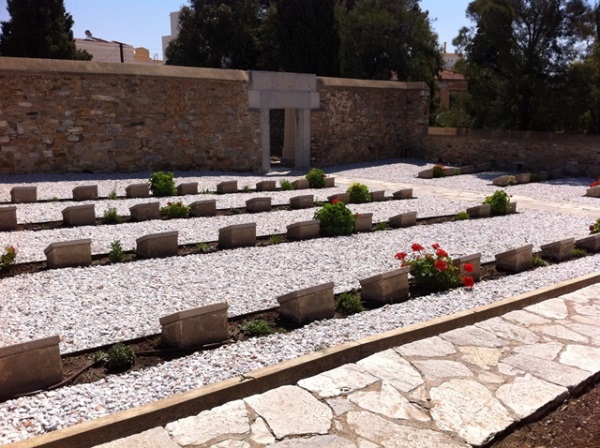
439,171
499,202
286,185
118,358
316,178
275,239
235,211
257,327
461,216
539,262
349,303
174,210
595,228
206,191
434,271
359,193
336,219
8,257
512,180
111,216
535,177
162,184
204,247
116,253
246,189
112,195
383,225
54,199
578,252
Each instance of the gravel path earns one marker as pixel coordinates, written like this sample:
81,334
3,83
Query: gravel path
103,304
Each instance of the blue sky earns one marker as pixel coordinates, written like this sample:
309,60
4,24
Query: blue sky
142,23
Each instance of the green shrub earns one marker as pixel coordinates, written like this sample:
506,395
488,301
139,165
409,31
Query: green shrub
246,189
359,193
275,239
439,171
112,195
383,225
316,178
539,263
286,185
257,327
116,253
119,357
8,257
174,210
578,252
204,247
512,180
461,216
111,216
349,303
595,228
336,219
161,184
499,202
535,177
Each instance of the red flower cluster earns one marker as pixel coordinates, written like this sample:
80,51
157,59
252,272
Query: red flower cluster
595,183
335,201
468,281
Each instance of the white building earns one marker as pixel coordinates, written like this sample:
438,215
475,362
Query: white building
104,51
174,32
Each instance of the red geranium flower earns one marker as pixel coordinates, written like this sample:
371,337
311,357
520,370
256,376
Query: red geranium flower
441,253
435,246
335,201
401,256
468,267
441,265
417,247
468,282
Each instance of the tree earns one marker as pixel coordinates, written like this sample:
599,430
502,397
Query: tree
219,34
517,56
381,37
304,37
39,30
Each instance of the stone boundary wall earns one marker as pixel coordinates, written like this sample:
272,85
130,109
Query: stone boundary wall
75,116
60,116
361,120
574,154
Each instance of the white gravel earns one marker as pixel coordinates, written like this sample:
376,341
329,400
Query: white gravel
100,305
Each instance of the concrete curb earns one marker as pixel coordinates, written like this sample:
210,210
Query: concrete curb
159,413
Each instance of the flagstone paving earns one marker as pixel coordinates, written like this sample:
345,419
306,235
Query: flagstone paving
458,389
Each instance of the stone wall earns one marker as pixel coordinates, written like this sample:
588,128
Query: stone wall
513,150
362,120
58,116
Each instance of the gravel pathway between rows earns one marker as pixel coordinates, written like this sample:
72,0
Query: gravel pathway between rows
98,305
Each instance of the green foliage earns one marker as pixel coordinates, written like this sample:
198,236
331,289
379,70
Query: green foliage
217,34
439,171
235,211
359,193
175,210
461,216
458,116
275,239
535,177
112,195
595,228
39,30
499,202
512,180
162,184
336,219
246,189
111,216
349,303
539,263
257,327
432,272
204,247
8,257
383,225
517,58
316,178
578,252
206,191
286,185
116,253
119,357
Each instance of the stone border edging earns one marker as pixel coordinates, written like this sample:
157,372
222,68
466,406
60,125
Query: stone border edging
159,413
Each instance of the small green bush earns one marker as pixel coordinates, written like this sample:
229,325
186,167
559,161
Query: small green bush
595,228
336,219
8,257
316,178
539,262
383,225
174,210
578,252
499,202
512,180
111,216
535,177
257,327
162,184
461,216
275,239
116,253
439,171
119,357
286,185
112,195
349,303
204,247
246,189
359,193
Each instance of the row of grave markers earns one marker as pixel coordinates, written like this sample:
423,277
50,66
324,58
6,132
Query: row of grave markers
36,365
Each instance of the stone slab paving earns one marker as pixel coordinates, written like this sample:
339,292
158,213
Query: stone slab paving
458,389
